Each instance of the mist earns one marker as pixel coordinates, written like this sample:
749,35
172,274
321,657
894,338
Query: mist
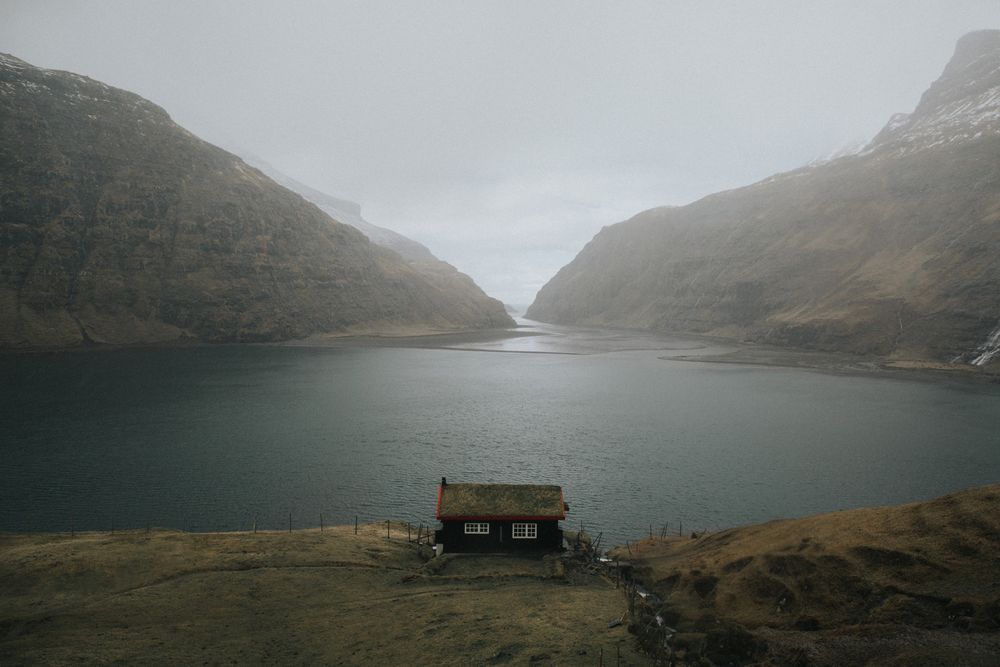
505,135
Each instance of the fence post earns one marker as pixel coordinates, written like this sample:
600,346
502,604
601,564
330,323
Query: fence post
407,531
355,524
387,530
289,522
255,523
321,522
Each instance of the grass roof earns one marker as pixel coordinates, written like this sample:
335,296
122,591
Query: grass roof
501,500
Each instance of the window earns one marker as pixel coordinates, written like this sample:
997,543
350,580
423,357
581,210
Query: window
477,528
525,531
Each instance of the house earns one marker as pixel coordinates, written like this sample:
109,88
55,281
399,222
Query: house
499,517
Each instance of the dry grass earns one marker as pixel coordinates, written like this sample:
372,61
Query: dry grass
916,584
883,584
308,597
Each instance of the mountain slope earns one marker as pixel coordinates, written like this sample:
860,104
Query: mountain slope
118,226
347,212
891,251
435,271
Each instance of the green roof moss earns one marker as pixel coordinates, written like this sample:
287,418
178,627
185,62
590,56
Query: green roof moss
501,500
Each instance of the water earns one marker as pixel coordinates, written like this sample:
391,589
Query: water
208,438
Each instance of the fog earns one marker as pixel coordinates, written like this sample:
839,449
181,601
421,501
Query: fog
504,135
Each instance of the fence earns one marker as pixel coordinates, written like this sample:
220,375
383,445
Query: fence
644,610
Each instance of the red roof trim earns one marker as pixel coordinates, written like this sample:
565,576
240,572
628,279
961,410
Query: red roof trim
437,510
489,517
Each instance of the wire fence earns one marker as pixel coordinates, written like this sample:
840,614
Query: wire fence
419,532
644,611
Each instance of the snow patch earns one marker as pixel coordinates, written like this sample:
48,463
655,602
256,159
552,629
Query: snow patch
32,86
989,349
962,120
897,121
12,62
852,148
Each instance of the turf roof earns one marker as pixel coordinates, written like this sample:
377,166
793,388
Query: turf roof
501,500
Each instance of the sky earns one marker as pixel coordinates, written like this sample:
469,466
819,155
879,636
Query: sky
504,135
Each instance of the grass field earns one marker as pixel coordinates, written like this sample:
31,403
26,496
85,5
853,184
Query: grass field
307,597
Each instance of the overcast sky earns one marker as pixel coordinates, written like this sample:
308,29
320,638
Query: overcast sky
504,135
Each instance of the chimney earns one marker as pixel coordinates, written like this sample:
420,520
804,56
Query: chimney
444,482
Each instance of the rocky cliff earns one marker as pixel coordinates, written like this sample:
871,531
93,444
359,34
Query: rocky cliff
118,226
891,251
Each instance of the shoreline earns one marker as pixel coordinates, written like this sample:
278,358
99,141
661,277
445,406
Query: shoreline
719,350
422,338
840,364
408,337
582,341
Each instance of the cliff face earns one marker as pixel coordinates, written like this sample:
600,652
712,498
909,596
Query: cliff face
118,226
889,251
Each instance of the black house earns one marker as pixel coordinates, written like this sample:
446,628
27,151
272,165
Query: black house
499,517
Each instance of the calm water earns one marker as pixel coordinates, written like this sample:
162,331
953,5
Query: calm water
206,438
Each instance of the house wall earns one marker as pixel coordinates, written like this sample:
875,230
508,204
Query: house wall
452,536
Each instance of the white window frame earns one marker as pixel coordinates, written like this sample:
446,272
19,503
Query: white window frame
524,531
477,528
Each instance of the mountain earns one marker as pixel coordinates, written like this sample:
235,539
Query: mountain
347,212
437,272
891,251
118,226
418,256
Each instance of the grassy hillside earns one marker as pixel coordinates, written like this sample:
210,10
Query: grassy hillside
916,584
307,597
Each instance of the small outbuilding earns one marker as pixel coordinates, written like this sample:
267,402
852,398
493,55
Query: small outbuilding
489,518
